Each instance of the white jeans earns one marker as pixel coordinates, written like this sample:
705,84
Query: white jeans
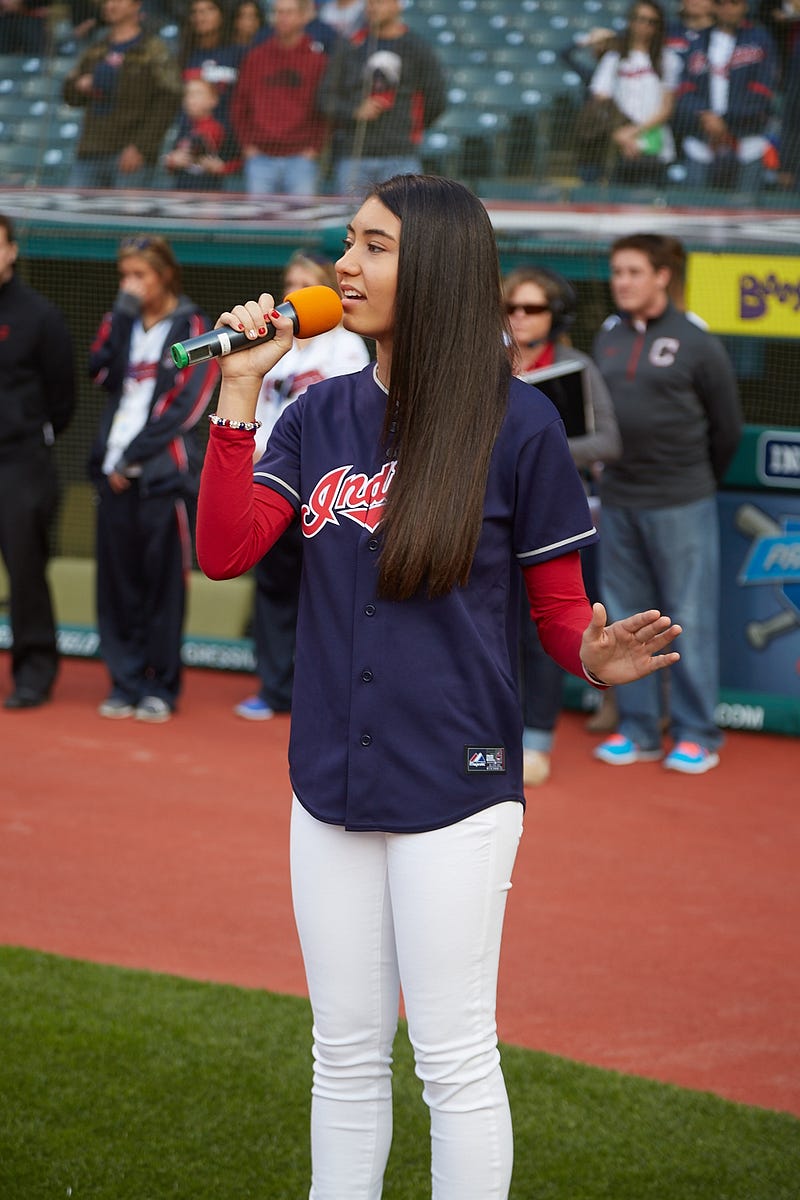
375,911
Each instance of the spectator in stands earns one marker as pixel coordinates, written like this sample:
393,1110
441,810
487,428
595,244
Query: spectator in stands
85,16
381,93
277,574
145,466
677,405
37,398
640,79
203,153
693,19
320,32
582,55
130,87
204,29
782,22
274,109
726,99
345,16
208,51
789,176
541,309
23,27
247,22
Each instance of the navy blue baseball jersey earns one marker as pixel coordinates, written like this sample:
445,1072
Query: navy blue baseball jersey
406,715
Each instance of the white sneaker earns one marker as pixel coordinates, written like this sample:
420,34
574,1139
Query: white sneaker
153,709
535,767
115,708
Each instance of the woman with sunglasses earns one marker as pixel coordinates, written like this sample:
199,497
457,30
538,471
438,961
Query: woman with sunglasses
541,309
145,466
421,484
640,78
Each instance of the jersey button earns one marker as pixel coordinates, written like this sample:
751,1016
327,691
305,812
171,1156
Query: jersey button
369,610
367,676
373,545
366,739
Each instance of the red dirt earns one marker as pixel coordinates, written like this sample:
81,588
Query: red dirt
652,926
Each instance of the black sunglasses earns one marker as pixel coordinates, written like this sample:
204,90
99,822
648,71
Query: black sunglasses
530,310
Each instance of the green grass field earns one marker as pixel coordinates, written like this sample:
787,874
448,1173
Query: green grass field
119,1084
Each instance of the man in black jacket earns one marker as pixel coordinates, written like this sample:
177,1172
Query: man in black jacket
37,397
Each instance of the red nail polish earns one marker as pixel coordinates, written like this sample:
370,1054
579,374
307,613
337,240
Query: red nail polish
274,313
241,328
262,331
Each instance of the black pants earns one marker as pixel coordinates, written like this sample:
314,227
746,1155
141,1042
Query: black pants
277,577
143,559
28,502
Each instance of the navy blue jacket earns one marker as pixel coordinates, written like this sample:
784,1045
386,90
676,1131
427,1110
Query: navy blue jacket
165,448
752,74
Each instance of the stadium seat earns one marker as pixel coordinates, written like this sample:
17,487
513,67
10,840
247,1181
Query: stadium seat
470,76
16,107
25,164
452,54
11,65
41,87
467,141
47,131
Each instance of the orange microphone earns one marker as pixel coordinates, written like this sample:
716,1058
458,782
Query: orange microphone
313,310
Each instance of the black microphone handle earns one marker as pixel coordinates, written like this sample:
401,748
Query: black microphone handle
219,342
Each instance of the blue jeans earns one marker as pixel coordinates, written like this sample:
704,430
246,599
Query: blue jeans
668,558
746,177
101,171
355,176
294,175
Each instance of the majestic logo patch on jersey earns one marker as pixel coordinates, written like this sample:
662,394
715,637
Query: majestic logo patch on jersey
485,760
359,497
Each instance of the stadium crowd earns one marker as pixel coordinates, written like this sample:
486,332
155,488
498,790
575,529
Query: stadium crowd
305,99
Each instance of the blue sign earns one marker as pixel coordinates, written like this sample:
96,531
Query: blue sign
778,459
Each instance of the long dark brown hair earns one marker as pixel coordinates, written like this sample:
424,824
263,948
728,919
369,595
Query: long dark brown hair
656,47
451,368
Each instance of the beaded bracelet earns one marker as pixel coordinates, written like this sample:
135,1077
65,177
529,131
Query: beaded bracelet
225,423
590,675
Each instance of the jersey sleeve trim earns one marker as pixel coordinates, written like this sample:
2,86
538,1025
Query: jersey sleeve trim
529,555
271,480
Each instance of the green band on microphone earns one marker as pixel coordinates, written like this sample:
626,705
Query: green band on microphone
179,355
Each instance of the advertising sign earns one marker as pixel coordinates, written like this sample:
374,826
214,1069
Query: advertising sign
760,609
754,295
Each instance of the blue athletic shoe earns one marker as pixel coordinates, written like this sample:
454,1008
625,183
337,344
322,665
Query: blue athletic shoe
254,709
621,751
691,759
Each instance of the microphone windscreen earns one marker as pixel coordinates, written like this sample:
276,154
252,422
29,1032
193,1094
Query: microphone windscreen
318,309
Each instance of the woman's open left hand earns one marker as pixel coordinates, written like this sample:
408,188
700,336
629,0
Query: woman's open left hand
630,648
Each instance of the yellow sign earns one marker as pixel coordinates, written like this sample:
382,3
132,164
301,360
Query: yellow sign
750,294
